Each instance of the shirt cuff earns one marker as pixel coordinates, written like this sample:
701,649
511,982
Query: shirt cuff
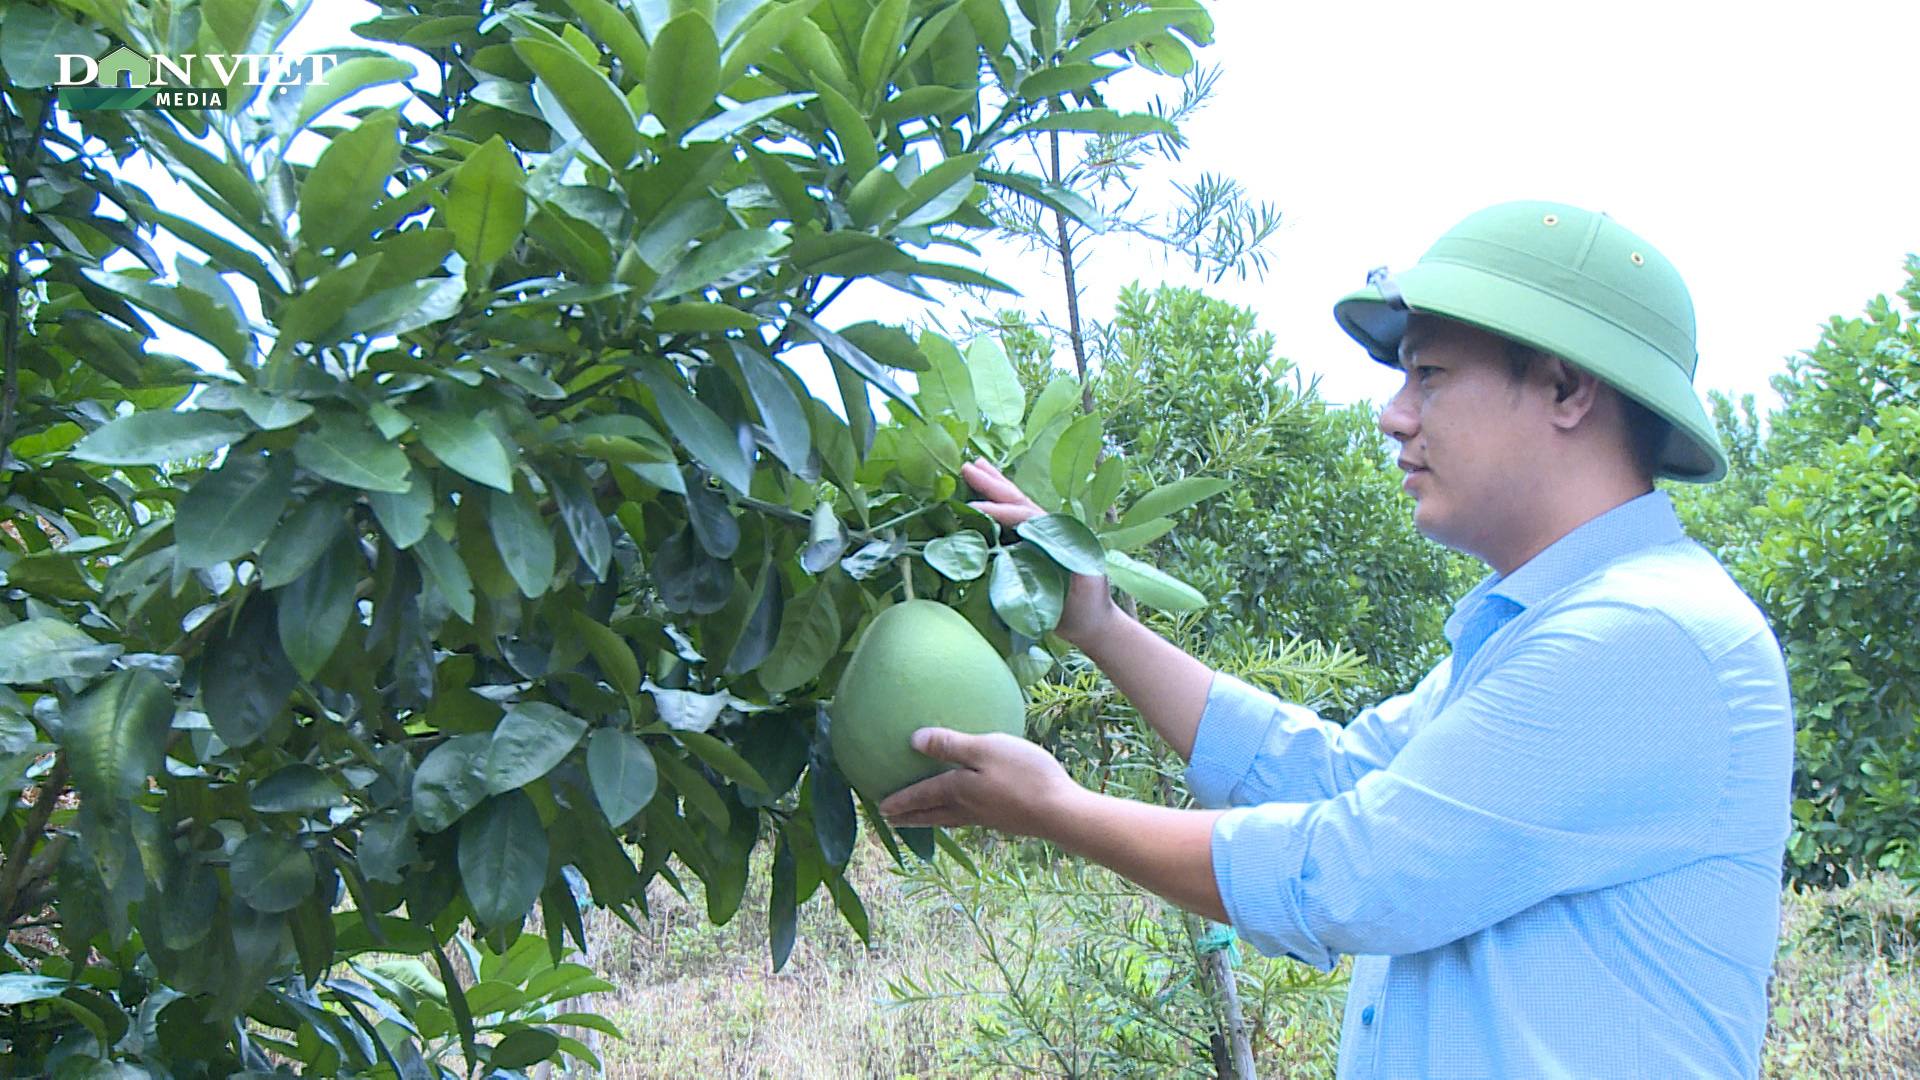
1233,727
1259,856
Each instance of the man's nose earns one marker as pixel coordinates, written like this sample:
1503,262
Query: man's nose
1397,419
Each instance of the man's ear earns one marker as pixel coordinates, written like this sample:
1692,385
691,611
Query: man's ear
1575,392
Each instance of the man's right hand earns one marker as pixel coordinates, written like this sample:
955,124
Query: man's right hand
1089,606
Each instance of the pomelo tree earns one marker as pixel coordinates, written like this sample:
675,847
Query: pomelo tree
507,563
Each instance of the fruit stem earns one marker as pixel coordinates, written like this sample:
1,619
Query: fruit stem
906,575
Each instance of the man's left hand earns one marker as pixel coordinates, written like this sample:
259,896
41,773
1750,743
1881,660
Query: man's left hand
1003,782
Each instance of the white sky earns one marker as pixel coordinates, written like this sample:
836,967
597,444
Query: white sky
1764,149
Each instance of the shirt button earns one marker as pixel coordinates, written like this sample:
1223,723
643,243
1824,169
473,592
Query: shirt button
1366,1015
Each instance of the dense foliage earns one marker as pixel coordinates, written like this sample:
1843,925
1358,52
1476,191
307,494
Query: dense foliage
507,548
1194,395
1820,522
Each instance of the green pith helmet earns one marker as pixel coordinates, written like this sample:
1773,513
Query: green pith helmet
1568,282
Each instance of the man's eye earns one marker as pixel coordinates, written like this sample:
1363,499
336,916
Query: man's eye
1423,371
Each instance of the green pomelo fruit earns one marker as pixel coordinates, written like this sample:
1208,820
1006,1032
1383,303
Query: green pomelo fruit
919,664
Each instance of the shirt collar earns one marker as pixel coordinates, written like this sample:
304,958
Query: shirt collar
1639,522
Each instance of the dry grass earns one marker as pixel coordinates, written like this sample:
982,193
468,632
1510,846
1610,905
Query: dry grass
1846,991
697,1000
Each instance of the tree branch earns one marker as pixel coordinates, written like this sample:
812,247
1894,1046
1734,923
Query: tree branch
13,876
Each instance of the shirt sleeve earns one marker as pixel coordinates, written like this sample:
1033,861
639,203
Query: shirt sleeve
1593,753
1251,747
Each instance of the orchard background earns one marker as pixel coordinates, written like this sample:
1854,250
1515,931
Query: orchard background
493,585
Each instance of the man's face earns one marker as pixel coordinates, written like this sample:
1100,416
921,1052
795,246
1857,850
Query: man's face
1468,436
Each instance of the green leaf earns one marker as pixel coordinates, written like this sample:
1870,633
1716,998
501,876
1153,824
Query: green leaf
245,677
314,315
528,742
1070,543
612,26
342,449
947,385
761,36
1100,122
31,41
683,71
298,788
446,572
1165,54
809,636
1152,586
586,525
405,515
349,178
845,351
525,1047
406,307
1099,495
315,608
742,116
889,345
1027,589
272,873
386,848
1132,537
834,824
450,781
762,627
622,772
21,988
1169,499
850,130
880,42
936,209
345,79
268,412
592,102
524,541
848,902
700,317
708,512
302,538
1065,79
116,735
610,651
960,556
231,510
718,259
503,859
486,203
159,436
700,430
782,906
995,385
781,414
1125,32
467,446
35,650
723,759
1073,455
1052,196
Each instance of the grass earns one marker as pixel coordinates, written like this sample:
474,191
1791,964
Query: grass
699,1000
1846,989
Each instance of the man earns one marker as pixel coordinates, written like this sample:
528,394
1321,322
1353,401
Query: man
1559,855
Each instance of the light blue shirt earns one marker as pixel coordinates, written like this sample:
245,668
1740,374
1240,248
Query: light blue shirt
1559,855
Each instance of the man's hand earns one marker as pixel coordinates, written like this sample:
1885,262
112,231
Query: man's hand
1003,782
1089,603
1013,786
